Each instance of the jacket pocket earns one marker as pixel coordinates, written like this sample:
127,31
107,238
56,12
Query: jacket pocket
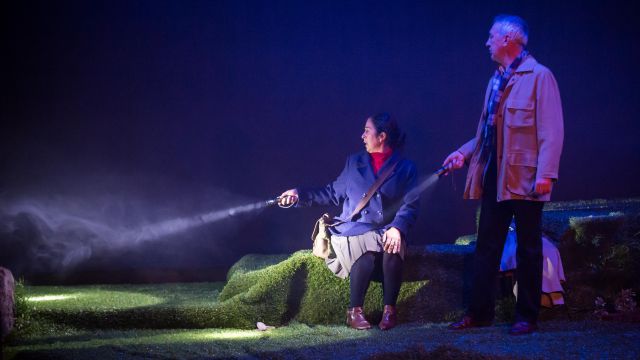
519,113
521,172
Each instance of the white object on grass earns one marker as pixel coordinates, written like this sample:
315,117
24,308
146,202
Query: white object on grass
262,326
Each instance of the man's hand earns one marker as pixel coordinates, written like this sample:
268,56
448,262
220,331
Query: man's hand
288,198
392,240
543,186
454,161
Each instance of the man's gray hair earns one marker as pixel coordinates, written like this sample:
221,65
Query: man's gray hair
515,26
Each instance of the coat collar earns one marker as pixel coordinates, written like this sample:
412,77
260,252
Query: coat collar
365,168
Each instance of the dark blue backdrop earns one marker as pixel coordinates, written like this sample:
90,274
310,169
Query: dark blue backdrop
166,101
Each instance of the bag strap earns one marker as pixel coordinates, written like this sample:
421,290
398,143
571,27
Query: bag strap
372,190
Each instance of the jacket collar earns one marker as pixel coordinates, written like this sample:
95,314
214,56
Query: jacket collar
527,64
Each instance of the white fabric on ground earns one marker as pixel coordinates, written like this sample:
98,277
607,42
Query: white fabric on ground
552,271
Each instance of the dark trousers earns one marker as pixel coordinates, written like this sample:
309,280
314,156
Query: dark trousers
495,218
377,266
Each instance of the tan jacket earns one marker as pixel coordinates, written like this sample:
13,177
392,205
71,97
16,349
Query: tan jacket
529,135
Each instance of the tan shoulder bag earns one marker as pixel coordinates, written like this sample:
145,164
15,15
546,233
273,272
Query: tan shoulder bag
321,236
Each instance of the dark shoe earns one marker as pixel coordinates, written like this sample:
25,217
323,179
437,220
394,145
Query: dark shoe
523,328
468,322
389,318
356,320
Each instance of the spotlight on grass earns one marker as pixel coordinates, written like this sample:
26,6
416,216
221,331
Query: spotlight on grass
50,298
234,334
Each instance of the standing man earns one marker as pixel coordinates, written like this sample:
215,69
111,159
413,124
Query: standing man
513,162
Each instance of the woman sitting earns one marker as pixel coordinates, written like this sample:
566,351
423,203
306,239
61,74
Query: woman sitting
371,244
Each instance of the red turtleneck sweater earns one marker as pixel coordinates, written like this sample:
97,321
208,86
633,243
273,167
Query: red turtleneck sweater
378,158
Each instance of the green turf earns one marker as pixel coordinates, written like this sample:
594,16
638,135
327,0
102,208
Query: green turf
557,339
188,305
299,288
109,297
180,343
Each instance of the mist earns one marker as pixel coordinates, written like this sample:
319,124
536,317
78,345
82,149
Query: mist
81,225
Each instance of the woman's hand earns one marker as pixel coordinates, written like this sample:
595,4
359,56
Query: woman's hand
288,198
392,240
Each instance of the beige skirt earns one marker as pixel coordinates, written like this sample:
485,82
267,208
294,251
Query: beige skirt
348,249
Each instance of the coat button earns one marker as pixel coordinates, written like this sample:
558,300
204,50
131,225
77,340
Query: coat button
379,212
378,195
365,212
364,195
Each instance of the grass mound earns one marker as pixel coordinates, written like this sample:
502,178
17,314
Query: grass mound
601,254
253,262
557,216
300,288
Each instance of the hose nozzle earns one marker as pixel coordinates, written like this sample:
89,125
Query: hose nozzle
272,202
442,170
276,201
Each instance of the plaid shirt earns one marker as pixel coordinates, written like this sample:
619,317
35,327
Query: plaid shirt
499,83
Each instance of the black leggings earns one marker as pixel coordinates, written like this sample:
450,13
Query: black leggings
380,266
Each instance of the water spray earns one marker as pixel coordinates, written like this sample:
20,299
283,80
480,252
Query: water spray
169,227
428,182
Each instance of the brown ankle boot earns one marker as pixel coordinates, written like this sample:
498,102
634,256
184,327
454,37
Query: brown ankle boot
389,318
355,319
